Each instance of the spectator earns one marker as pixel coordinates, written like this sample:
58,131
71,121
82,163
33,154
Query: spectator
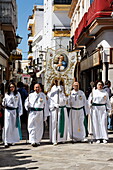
107,87
110,118
24,95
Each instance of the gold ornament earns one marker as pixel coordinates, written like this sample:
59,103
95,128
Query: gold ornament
80,97
41,100
78,129
105,97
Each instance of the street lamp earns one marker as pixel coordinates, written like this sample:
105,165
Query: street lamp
18,39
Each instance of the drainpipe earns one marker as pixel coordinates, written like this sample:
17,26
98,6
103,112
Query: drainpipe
106,71
105,60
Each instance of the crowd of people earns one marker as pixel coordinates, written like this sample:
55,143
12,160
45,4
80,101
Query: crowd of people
71,117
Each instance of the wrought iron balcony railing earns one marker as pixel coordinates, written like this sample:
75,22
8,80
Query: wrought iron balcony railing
65,2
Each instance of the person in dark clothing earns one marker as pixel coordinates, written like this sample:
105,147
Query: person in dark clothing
24,95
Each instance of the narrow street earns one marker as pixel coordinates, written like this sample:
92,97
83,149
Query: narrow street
77,156
56,75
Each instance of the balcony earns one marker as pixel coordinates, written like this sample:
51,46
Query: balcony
99,14
30,38
30,23
8,13
65,2
61,31
61,5
30,56
60,28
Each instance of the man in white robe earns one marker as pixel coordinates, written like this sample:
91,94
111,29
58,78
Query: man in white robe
58,115
13,110
36,104
100,107
77,116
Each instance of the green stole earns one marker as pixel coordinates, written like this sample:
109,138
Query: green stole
61,121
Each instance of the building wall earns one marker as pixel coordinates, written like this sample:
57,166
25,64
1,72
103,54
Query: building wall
55,19
8,26
92,36
48,24
79,11
61,19
38,17
2,38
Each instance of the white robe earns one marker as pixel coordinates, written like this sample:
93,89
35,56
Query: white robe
11,134
36,118
77,99
55,136
99,113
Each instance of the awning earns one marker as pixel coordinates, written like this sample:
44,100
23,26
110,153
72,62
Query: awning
40,72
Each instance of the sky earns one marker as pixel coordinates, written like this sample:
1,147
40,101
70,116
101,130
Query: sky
24,10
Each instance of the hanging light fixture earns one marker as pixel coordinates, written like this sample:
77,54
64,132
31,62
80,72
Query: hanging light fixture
18,39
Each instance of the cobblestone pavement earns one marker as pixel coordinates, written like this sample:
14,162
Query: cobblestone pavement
68,156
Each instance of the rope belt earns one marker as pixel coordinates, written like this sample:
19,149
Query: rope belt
61,121
97,104
35,109
17,120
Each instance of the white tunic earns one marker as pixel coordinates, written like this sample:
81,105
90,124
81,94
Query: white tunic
36,118
76,100
11,134
99,113
55,113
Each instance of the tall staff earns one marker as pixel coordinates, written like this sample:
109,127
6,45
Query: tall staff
57,110
71,118
27,135
90,118
4,82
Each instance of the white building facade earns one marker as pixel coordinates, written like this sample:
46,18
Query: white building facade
91,35
35,39
56,24
50,28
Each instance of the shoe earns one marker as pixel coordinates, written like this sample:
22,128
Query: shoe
74,140
6,146
105,141
98,141
54,144
10,144
38,144
34,144
84,140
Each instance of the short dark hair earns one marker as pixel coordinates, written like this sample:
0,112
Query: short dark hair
20,84
107,82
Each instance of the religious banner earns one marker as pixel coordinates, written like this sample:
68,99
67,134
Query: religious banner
60,66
